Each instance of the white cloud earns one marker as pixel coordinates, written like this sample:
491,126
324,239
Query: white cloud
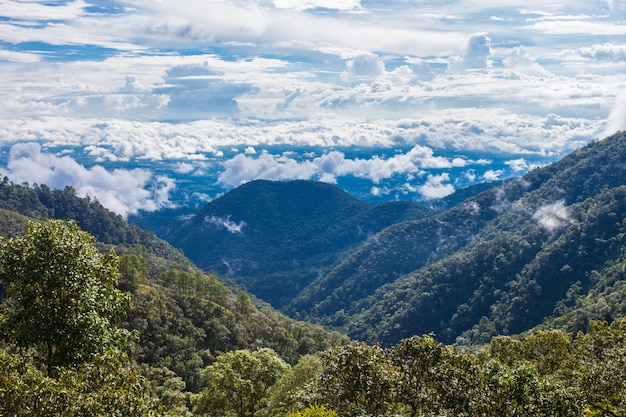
42,10
521,60
195,91
225,223
436,186
184,168
243,168
134,80
552,216
122,191
607,51
363,67
23,57
492,175
617,117
476,54
518,165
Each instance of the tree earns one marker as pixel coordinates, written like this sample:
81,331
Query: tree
359,380
60,293
238,383
602,374
298,388
106,386
434,378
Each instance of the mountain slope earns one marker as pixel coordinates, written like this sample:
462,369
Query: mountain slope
183,318
543,234
399,249
264,233
499,261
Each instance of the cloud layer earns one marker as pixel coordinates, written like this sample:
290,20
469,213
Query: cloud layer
135,81
122,191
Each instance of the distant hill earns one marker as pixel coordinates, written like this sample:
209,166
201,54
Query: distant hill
495,259
277,237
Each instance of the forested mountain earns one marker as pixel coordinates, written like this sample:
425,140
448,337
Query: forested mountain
277,237
183,317
163,338
488,261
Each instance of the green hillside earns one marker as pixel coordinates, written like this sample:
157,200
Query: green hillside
498,263
264,233
541,258
491,260
183,318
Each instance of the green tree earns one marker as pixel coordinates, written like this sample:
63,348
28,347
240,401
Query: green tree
238,383
435,378
602,373
106,386
60,293
359,380
298,387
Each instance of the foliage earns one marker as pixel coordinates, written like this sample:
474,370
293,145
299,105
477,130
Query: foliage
182,318
314,411
60,293
548,373
238,383
108,385
185,319
359,380
298,388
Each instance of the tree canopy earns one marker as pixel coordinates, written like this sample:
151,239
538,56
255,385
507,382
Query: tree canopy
60,292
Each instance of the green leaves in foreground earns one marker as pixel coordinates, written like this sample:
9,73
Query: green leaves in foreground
59,293
238,383
549,373
60,303
106,386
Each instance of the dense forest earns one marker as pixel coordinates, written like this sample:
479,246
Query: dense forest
496,259
177,322
508,300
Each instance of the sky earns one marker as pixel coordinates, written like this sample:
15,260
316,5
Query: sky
155,104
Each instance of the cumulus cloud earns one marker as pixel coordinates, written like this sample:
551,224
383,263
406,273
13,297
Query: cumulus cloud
607,51
436,186
552,216
476,55
122,191
363,67
327,167
520,59
518,165
225,223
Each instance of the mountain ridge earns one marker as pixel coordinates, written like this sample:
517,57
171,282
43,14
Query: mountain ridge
473,259
281,231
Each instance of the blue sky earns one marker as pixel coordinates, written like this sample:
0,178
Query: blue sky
129,101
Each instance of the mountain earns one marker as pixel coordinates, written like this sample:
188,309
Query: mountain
183,318
277,237
500,259
500,262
